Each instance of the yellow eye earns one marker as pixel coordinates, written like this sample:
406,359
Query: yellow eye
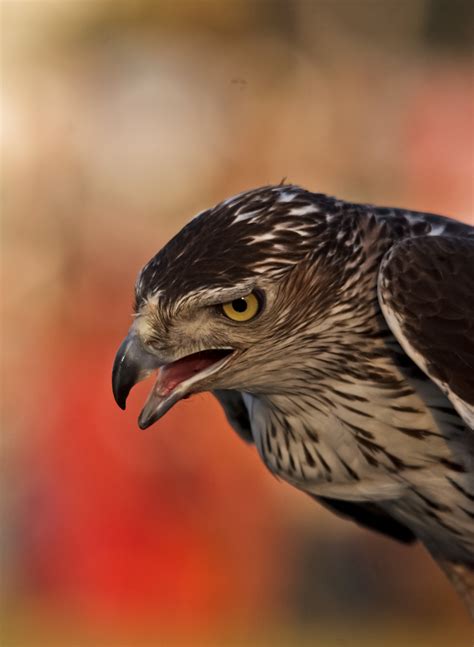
242,309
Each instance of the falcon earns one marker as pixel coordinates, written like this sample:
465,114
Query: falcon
339,339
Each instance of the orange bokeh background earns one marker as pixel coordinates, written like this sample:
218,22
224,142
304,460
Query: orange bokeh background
120,122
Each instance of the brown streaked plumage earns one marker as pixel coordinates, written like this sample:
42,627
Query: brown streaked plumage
355,377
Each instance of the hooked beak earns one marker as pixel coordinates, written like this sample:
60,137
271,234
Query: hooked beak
175,380
132,364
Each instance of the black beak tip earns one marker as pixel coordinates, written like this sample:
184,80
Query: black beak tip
121,403
131,365
122,378
119,391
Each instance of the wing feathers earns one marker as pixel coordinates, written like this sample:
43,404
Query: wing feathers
236,412
370,516
426,292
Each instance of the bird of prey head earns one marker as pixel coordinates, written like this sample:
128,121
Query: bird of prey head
340,339
221,305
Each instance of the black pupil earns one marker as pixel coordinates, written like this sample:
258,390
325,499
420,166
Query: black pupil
240,305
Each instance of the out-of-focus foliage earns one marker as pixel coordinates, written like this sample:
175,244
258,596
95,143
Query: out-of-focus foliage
120,121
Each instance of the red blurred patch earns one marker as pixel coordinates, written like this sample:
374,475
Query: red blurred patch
438,143
172,523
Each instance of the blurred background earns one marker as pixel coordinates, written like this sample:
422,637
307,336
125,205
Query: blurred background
120,121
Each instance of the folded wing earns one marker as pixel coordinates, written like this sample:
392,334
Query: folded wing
426,292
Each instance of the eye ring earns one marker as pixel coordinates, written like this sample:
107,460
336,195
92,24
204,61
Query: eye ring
244,308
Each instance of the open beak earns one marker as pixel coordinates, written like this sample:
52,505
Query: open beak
175,381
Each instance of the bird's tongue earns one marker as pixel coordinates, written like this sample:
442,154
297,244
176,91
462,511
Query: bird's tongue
173,374
165,393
